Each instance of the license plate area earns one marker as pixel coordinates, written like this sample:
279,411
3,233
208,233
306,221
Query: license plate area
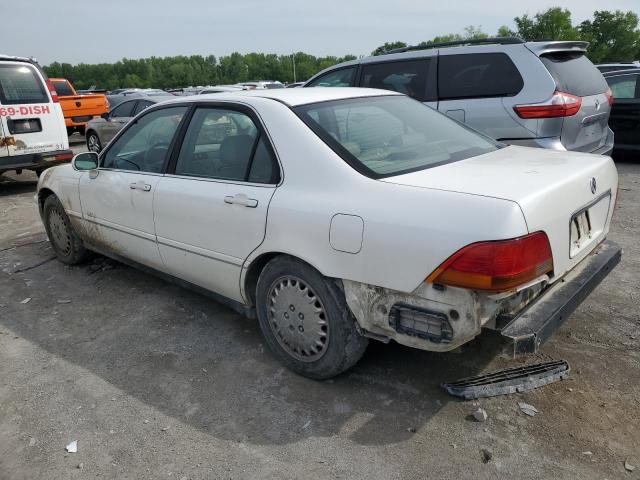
24,125
587,225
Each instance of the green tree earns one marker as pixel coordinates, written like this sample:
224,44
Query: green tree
613,36
381,50
553,24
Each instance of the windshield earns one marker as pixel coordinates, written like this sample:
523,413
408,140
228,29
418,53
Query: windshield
391,135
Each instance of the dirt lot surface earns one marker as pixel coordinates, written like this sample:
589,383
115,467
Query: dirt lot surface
154,381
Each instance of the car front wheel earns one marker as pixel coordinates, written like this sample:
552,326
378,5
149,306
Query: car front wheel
305,320
65,242
93,142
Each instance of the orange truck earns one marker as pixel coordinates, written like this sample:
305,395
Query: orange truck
78,109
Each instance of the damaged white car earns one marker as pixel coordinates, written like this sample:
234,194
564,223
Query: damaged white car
339,215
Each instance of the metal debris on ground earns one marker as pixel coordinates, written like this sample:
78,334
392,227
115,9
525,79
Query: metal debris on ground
26,300
486,455
509,380
527,409
32,442
64,301
72,447
628,467
480,415
588,453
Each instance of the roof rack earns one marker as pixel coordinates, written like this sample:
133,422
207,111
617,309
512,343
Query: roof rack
477,41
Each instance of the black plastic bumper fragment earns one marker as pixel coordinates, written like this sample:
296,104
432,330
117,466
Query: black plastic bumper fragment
543,317
510,380
421,323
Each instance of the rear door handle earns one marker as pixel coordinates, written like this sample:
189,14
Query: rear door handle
140,185
241,199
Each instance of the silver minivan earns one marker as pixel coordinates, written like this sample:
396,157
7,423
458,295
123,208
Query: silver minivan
538,94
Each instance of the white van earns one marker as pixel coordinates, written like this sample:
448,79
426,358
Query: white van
33,135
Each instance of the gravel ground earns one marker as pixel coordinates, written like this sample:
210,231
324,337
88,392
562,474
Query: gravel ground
154,381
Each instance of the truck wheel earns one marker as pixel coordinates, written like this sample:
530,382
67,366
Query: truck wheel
93,142
65,242
305,320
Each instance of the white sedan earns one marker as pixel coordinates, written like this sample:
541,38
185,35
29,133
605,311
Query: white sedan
340,215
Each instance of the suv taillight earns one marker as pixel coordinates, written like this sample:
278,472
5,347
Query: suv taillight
498,265
560,105
609,95
52,91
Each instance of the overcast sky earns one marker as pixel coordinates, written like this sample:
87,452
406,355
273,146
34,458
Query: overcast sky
93,31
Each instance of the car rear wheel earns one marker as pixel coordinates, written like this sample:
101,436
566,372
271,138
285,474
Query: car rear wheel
65,242
305,320
93,142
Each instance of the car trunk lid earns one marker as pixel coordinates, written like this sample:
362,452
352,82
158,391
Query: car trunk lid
553,189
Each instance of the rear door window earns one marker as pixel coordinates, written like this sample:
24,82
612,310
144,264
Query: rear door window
574,73
21,84
477,75
123,110
336,78
625,86
408,77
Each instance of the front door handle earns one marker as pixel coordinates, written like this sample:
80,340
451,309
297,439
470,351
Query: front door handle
140,185
241,199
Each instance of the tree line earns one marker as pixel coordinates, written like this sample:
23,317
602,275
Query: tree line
613,36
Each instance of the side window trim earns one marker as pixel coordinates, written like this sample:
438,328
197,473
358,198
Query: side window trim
170,167
179,131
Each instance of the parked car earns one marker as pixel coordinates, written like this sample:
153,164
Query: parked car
295,85
32,130
78,109
625,112
221,89
612,67
262,84
338,215
536,94
101,130
116,99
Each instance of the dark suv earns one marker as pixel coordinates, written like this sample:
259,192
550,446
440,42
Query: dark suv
538,94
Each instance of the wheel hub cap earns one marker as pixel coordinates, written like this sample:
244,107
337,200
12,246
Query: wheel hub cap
297,319
59,233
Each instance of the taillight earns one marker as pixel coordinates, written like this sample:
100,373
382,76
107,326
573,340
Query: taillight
609,95
498,265
52,91
560,105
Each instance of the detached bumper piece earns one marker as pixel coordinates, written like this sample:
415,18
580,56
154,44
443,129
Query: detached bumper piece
421,323
510,380
544,316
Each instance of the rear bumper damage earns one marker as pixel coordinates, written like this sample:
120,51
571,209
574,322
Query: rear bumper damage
441,318
537,322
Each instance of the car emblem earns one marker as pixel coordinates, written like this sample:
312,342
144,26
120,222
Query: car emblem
593,185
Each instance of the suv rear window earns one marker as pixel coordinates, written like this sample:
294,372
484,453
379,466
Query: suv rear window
477,75
21,84
408,77
574,73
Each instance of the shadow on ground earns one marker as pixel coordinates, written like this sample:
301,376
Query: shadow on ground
203,364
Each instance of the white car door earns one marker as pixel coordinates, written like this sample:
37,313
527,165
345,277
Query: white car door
117,198
211,207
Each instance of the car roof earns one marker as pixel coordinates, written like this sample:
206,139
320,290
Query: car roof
292,97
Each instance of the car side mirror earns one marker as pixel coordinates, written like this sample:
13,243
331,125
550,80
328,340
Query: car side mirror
105,115
85,161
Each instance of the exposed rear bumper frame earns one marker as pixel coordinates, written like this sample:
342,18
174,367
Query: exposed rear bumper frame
543,317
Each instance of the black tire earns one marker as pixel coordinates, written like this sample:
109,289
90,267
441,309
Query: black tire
39,172
65,242
70,131
80,130
343,346
93,142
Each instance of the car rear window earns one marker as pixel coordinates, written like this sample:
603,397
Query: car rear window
63,88
574,73
408,77
390,135
21,84
476,75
